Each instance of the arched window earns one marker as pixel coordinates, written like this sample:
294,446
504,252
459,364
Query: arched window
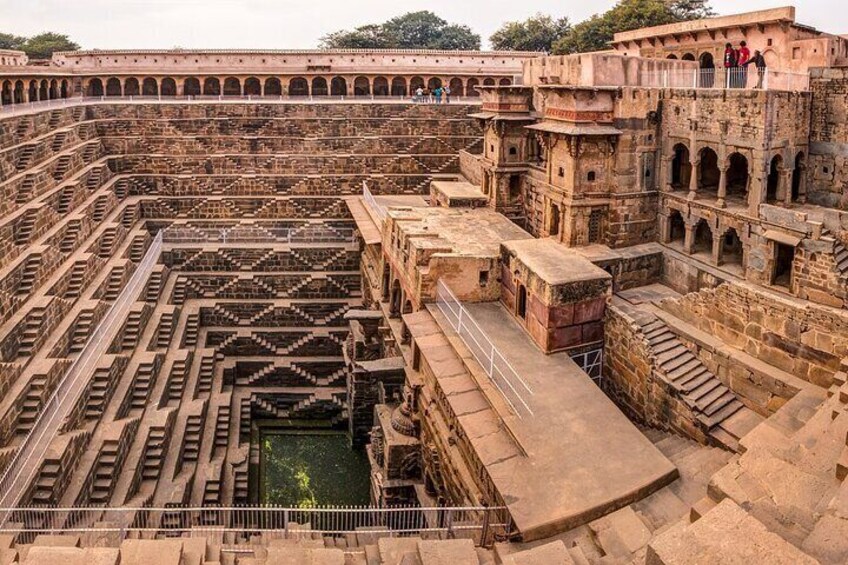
737,176
676,227
399,87
64,89
169,87
6,93
54,89
703,242
415,83
211,86
455,85
672,56
95,88
708,171
191,87
232,86
489,82
273,87
773,181
434,83
381,86
472,88
338,86
505,82
44,90
681,167
149,87
298,87
113,87
131,87
319,86
688,57
252,87
361,87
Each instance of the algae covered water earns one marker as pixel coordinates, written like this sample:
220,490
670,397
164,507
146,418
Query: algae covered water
307,469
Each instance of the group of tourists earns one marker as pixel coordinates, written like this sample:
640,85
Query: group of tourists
435,96
737,61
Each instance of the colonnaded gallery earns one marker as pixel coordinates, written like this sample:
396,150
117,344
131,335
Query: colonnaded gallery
263,307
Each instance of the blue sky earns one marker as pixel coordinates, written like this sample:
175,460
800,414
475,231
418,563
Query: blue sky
284,24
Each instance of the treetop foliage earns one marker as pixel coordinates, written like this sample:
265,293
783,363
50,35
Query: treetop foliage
415,30
41,46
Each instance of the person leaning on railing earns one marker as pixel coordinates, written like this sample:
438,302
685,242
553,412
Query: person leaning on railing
760,62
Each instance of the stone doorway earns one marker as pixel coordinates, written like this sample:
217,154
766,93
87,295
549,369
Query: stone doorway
784,257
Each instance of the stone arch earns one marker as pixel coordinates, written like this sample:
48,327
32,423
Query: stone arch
273,87
415,83
149,87
676,227
456,87
488,81
361,86
44,90
6,93
708,171
191,86
232,86
381,86
19,92
505,82
681,166
168,87
738,176
63,89
211,86
338,86
298,86
672,56
399,87
688,57
773,179
54,89
707,64
702,241
252,87
113,87
131,87
319,87
434,83
471,88
731,251
798,173
95,88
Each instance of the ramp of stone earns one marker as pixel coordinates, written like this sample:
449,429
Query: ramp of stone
576,458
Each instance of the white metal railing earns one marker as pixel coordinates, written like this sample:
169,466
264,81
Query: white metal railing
748,77
26,462
378,209
10,109
482,524
497,368
258,234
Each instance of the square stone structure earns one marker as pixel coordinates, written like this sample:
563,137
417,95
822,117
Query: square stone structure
557,295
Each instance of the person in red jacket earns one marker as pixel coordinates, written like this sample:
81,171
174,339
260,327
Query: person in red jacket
742,58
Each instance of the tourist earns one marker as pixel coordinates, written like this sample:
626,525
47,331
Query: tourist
760,62
730,64
743,55
438,94
419,95
447,94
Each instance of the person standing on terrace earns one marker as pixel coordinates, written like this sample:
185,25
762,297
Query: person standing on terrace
760,62
742,58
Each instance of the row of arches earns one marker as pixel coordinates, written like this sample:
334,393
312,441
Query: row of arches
731,179
296,86
22,91
698,239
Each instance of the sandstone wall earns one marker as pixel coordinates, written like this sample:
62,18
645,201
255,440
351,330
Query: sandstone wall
828,166
803,339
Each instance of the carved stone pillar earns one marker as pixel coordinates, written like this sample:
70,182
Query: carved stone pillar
667,162
689,239
722,187
786,186
693,180
717,242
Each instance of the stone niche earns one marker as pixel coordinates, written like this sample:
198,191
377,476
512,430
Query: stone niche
558,296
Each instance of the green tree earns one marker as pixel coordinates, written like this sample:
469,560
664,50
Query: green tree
9,41
595,33
415,30
537,33
43,45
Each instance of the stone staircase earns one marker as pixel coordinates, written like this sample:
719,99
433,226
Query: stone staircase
29,274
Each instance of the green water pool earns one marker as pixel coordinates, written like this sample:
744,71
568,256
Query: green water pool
305,469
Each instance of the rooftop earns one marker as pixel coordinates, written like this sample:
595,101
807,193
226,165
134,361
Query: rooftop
555,263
